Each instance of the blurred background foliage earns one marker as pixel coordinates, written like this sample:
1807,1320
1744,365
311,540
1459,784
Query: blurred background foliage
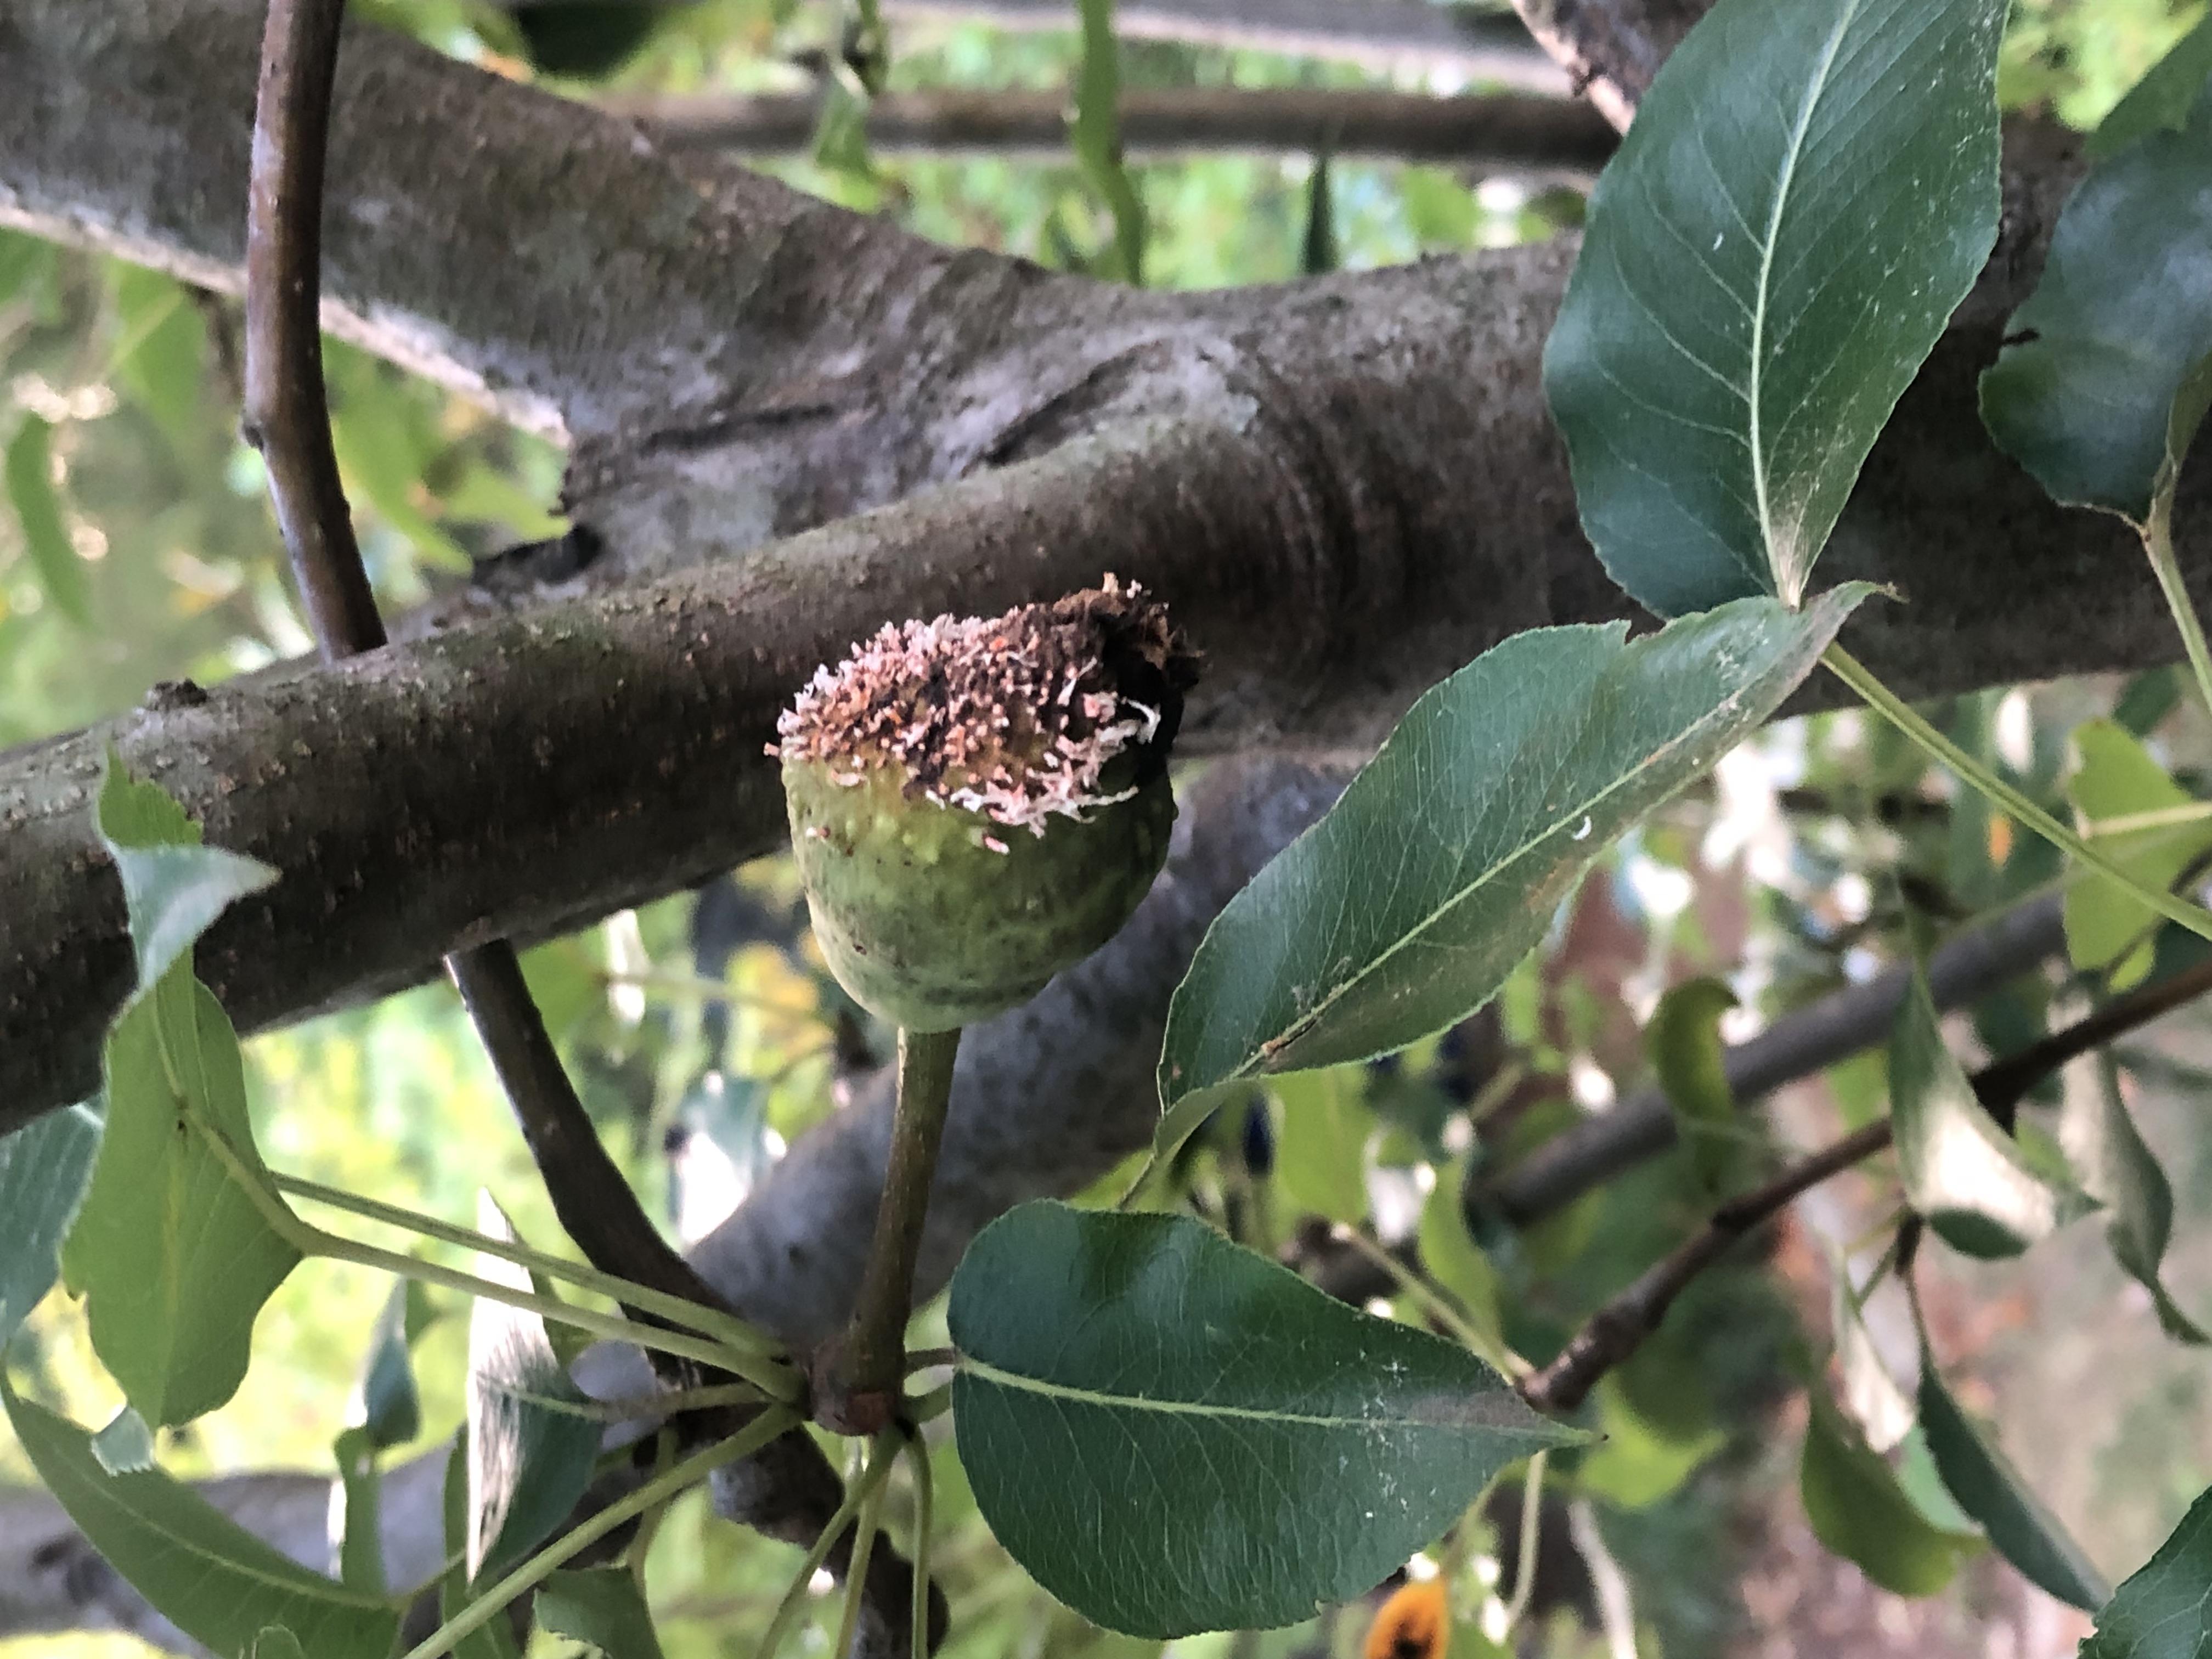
136,547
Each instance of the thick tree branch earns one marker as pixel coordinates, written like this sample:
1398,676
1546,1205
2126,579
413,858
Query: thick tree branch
1346,487
1505,133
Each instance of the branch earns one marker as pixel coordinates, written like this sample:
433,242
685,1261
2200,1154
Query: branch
1966,968
1611,48
1618,1328
1501,132
1477,44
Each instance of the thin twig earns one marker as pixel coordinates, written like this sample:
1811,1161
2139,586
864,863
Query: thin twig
1618,1328
287,414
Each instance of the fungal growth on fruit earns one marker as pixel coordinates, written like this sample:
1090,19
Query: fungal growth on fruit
976,804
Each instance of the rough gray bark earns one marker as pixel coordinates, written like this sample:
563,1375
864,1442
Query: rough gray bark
1346,490
1345,487
1610,48
1507,132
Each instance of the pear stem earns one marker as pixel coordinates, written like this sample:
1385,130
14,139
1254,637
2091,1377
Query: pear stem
875,1346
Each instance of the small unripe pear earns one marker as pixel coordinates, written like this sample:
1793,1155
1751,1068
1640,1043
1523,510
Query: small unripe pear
976,804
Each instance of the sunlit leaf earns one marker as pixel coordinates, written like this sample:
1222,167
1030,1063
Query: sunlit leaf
44,1169
28,471
2105,927
1321,1153
173,1254
1962,1172
1683,1042
1809,191
201,1571
1859,1510
2109,367
173,887
1990,1489
158,347
531,1443
1407,906
1871,1394
2165,1611
2162,100
1173,1435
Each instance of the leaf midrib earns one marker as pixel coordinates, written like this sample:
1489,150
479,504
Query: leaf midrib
1250,1066
986,1372
1762,290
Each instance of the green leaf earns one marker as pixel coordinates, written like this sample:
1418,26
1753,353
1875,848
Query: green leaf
2163,1611
277,1643
38,515
173,1256
1683,1043
1407,906
2110,367
1454,1259
1990,1489
1859,1511
1871,1395
357,1517
2119,1171
602,1607
2162,100
531,1445
173,887
160,344
25,261
125,1446
1321,1156
1808,191
199,1570
1638,1463
1095,135
2105,927
494,1640
44,1169
1252,1448
391,1409
1962,1172
1318,253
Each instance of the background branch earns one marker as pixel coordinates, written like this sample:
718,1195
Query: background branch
1506,132
1610,48
1619,1327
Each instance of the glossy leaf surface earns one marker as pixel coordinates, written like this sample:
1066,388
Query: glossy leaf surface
2165,1611
1411,902
201,1571
2118,780
1173,1435
2111,366
1808,192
